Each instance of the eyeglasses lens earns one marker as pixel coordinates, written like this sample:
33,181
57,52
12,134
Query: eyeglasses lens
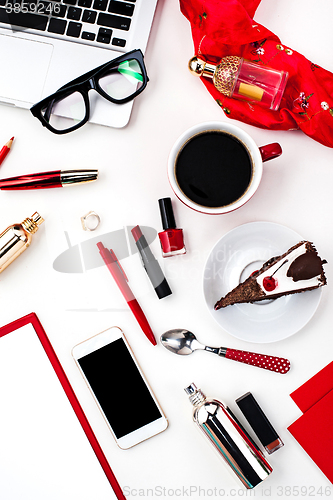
122,80
65,112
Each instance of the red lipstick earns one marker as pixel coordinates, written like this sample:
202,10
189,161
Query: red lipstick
151,265
257,419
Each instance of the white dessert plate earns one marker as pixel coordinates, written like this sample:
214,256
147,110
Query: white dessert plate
233,258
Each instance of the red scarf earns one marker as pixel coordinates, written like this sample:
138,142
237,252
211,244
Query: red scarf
226,27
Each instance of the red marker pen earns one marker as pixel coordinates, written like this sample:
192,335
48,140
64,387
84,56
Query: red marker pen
120,278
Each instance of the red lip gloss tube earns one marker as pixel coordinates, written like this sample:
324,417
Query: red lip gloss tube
171,238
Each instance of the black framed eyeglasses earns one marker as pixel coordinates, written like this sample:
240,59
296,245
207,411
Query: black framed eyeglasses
119,81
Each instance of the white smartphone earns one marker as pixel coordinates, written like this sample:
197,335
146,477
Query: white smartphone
118,385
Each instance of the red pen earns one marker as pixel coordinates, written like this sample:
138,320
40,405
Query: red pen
5,150
120,278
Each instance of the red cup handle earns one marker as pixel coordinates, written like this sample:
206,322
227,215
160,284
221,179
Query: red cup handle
270,151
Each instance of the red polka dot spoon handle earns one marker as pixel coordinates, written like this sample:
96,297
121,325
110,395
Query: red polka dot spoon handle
279,365
184,342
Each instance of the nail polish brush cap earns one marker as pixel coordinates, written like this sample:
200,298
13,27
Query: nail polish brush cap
167,215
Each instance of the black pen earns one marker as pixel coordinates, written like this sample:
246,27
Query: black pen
151,265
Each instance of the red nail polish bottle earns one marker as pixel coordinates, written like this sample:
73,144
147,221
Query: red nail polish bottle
172,239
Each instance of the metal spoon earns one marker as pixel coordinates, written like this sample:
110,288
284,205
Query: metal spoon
180,341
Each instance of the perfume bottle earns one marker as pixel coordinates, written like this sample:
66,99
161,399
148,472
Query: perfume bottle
241,79
172,238
231,441
16,238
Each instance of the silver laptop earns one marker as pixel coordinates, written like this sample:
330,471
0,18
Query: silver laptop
45,44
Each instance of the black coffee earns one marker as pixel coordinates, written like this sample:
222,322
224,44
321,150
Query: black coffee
213,169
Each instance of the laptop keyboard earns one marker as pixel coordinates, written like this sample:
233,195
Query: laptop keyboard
104,22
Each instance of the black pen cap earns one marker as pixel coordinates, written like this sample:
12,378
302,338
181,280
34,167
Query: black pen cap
266,433
167,215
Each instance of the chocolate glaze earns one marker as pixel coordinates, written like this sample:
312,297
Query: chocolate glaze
305,267
250,291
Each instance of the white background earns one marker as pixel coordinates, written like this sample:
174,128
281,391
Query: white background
296,191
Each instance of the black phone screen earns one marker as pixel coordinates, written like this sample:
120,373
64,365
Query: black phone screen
119,388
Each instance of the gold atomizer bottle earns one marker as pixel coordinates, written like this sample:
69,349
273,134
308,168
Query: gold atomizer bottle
16,238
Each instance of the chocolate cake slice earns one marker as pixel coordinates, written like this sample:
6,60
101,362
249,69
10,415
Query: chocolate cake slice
298,270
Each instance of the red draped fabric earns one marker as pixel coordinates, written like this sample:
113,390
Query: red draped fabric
227,27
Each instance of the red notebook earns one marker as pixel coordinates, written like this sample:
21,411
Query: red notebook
314,429
44,451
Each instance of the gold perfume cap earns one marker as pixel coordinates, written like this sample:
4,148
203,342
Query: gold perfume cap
199,67
31,224
224,74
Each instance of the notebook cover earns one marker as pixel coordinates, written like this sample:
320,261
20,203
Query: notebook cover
33,319
314,389
314,432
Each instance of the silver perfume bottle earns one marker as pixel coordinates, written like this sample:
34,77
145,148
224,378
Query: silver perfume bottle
228,437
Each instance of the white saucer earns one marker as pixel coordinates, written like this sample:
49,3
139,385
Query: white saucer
234,257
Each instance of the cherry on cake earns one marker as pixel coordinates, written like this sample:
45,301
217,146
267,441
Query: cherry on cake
298,270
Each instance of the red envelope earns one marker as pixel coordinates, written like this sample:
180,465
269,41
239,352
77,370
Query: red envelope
314,432
314,429
314,389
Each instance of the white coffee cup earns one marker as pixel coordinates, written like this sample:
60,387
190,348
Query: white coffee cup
257,156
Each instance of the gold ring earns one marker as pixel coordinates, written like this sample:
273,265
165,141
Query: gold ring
93,223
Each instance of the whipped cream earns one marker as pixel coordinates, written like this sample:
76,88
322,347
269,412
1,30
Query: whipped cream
286,283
